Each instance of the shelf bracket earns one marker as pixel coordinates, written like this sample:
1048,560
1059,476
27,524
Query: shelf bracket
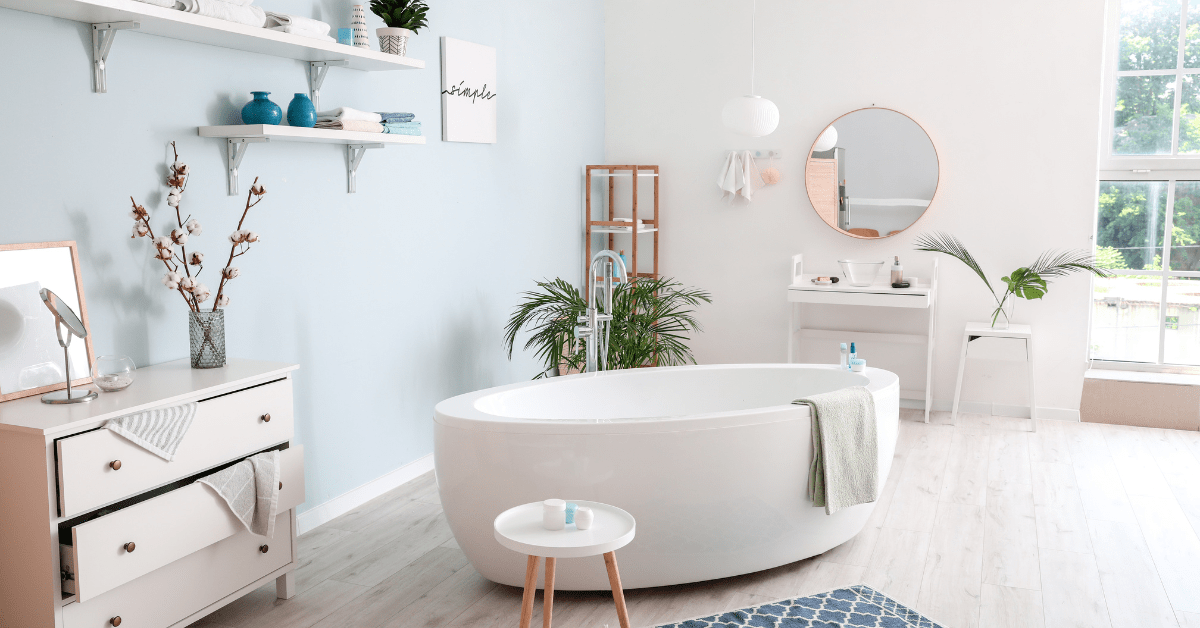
354,155
235,150
103,34
316,75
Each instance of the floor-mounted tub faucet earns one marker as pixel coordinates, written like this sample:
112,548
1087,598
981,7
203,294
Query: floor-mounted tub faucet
595,344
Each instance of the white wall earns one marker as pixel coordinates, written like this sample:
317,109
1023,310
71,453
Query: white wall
383,297
1009,93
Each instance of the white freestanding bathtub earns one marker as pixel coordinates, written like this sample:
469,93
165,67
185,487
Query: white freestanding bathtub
712,462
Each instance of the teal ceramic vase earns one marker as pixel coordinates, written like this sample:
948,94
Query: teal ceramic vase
261,110
301,111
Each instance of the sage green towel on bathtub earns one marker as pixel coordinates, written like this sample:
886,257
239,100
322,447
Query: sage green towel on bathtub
845,465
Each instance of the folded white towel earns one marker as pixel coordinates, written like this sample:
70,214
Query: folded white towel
170,4
159,430
301,32
251,488
228,11
276,20
346,113
362,126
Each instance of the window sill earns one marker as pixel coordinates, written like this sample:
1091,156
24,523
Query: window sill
1146,377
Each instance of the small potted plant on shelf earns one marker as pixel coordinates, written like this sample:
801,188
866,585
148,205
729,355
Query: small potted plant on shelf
403,18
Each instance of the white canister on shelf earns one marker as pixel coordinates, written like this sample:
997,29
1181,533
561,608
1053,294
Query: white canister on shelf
554,514
358,26
584,517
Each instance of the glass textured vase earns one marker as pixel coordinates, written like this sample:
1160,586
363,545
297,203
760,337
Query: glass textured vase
207,331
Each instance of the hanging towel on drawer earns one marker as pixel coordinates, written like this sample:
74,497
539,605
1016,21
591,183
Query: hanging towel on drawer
845,465
251,488
159,430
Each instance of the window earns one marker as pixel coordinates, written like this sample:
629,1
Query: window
1148,209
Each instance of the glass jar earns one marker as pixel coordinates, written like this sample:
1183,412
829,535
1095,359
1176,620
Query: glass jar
207,333
111,373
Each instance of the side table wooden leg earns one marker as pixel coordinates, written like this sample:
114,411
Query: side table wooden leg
531,570
548,595
614,579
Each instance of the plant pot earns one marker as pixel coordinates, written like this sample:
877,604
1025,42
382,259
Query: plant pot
207,332
393,41
261,110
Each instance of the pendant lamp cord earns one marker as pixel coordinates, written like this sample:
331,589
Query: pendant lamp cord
753,11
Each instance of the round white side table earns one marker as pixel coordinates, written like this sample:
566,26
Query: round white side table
520,529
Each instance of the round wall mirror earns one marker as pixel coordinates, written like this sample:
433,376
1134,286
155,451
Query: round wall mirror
871,173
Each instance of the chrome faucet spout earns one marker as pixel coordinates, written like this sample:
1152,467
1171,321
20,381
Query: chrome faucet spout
595,345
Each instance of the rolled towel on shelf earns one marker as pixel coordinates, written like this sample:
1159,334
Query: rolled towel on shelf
362,126
228,11
296,24
301,32
396,117
167,4
346,113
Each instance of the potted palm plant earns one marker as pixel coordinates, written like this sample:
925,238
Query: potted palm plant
403,18
652,319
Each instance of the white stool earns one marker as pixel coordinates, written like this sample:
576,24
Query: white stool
520,529
974,331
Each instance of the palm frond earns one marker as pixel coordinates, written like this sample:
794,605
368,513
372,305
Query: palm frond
1058,264
941,242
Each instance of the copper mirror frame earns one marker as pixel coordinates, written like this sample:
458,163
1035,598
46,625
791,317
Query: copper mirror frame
828,192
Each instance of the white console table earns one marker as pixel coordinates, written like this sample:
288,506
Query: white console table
880,294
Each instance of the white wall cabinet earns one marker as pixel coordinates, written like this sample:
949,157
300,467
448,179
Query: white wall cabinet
87,543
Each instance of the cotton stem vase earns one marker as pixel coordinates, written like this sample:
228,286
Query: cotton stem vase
207,331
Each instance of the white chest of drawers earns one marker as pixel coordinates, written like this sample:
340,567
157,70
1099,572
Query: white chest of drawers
97,532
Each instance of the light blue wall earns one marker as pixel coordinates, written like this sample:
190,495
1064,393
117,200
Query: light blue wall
391,299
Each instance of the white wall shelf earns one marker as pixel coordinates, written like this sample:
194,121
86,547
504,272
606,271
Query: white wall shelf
239,136
107,16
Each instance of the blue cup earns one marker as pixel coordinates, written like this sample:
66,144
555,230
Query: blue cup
345,36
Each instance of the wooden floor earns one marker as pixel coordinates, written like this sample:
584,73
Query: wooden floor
984,524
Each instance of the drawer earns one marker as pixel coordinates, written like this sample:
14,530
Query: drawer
225,428
993,348
189,585
163,530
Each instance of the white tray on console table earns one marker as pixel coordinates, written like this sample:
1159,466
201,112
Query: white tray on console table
879,294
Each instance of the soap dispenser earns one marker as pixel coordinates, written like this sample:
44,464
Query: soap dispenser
897,271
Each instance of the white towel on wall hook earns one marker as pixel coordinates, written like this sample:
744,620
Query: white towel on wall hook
739,175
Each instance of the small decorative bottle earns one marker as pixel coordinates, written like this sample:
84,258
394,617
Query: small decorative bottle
358,24
554,514
301,111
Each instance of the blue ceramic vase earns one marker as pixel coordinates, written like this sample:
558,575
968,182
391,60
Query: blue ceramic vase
261,110
301,111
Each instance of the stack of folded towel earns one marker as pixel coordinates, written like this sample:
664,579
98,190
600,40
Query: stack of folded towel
400,123
347,119
296,25
238,11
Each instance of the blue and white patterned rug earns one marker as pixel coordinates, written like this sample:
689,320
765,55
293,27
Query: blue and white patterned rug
856,606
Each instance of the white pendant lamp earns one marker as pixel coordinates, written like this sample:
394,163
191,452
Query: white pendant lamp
827,140
751,115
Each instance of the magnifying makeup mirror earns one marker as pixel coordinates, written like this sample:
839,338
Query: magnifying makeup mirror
64,317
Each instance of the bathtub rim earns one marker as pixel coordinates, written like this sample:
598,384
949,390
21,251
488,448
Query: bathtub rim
460,411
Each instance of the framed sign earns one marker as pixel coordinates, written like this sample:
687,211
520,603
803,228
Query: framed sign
468,92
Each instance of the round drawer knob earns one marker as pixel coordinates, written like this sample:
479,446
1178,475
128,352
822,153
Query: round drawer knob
266,418
130,546
264,549
281,486
115,464
115,621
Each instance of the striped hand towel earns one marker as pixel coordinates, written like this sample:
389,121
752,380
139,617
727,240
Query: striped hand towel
251,488
159,430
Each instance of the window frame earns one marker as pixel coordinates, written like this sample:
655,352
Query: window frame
1170,169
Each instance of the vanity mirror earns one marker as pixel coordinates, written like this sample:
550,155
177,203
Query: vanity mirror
871,173
31,359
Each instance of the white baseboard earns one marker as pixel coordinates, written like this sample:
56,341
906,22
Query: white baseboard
354,498
995,409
